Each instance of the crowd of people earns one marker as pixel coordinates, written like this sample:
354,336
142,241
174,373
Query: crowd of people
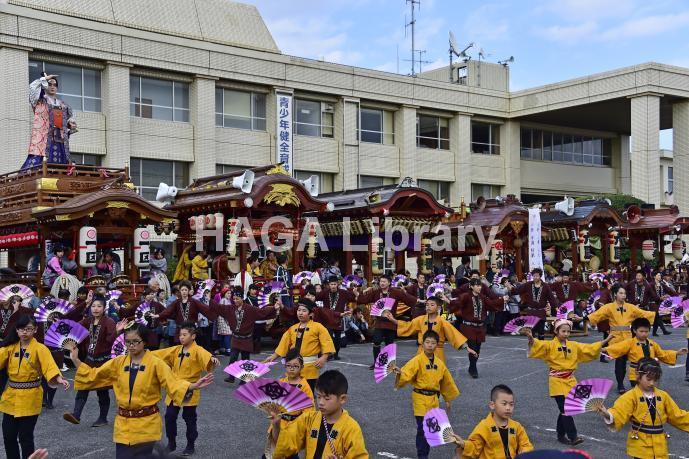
192,322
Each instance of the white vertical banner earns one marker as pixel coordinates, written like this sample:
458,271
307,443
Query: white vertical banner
284,130
535,255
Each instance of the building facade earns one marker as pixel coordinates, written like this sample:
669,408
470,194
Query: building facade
178,92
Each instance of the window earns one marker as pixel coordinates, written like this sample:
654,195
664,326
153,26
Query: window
147,174
78,86
432,132
325,180
158,99
565,148
487,191
377,126
314,119
240,109
84,159
370,181
485,138
439,190
670,179
221,169
462,75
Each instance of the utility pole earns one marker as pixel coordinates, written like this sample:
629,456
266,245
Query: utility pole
412,23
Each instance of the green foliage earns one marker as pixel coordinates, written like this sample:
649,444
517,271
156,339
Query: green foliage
618,201
171,267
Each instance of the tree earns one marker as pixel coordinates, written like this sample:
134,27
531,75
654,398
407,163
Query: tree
618,201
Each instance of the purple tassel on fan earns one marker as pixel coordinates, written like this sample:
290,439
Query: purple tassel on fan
384,304
435,289
400,280
352,280
270,395
565,309
52,309
678,315
587,395
65,334
516,324
142,315
247,370
268,295
301,276
666,306
19,290
437,428
591,304
118,347
384,362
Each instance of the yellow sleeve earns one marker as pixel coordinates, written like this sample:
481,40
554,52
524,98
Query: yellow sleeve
617,350
667,356
406,328
89,378
167,355
599,315
677,417
48,366
408,375
539,350
4,357
638,312
622,410
448,388
203,357
283,346
523,440
452,335
588,351
354,445
474,445
292,439
327,345
177,389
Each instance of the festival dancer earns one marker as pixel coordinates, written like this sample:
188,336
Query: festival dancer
498,436
383,329
102,333
187,361
335,304
536,295
620,315
647,408
311,339
640,347
185,308
471,310
21,401
328,431
147,298
430,379
662,291
640,292
419,291
563,357
431,321
137,380
10,312
568,290
465,287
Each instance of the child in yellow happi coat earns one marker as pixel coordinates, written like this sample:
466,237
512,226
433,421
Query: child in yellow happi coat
26,362
647,408
187,361
619,315
498,433
431,321
563,357
430,379
640,347
311,339
137,380
323,433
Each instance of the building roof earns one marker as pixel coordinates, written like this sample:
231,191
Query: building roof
584,213
662,220
495,213
218,21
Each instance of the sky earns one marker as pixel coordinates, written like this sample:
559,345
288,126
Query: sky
551,40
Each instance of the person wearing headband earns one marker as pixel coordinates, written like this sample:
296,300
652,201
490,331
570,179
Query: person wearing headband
563,357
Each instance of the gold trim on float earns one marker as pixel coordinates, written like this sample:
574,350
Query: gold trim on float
48,184
129,185
282,194
62,218
39,208
117,205
278,169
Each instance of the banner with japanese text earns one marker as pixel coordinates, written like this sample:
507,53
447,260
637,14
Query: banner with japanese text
535,253
284,131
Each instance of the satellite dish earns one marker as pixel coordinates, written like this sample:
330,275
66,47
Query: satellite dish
166,192
312,185
453,44
244,182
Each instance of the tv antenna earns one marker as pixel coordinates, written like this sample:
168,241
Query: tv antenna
412,24
506,62
454,50
420,59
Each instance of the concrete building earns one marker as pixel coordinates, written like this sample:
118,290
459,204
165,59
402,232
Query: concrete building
178,91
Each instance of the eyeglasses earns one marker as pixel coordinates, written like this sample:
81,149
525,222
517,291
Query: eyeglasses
134,342
293,367
27,329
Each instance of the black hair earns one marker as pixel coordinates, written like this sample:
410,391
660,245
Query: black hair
356,310
281,258
651,368
294,354
100,298
435,299
474,271
640,322
189,326
386,276
499,389
140,329
431,334
332,279
147,291
466,260
58,248
83,291
310,290
253,257
538,271
332,382
308,304
641,271
187,284
254,287
473,282
461,281
63,294
616,288
12,336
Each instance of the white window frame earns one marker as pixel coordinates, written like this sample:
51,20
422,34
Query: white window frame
140,188
325,106
80,96
670,184
252,117
584,138
173,108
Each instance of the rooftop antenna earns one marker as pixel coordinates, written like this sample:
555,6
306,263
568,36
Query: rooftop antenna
481,56
454,49
412,23
506,62
420,59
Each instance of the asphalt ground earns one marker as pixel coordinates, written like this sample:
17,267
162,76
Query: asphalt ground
231,429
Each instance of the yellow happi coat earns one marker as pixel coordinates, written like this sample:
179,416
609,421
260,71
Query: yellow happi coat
303,386
154,377
446,331
634,351
632,407
315,342
302,434
563,361
34,364
421,374
485,441
189,367
620,320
